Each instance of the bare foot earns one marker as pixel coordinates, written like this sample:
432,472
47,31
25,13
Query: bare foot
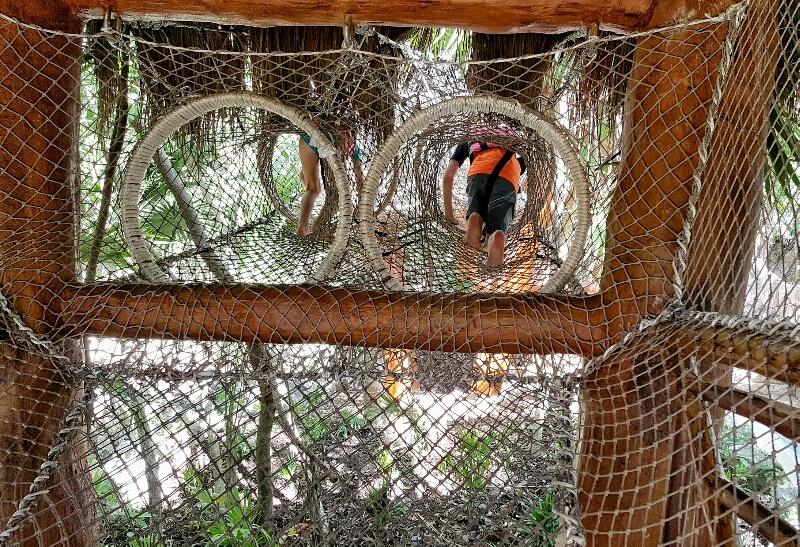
304,230
474,228
496,247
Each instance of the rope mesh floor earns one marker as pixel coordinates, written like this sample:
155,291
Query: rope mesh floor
180,367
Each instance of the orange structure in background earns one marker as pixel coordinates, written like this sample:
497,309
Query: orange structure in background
491,367
401,365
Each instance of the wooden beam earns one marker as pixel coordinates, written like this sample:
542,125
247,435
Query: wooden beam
34,400
640,466
779,417
507,16
50,14
313,314
510,16
775,357
723,236
39,76
39,91
766,523
664,123
724,232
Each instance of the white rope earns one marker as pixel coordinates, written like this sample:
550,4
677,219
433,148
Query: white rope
24,336
558,137
667,315
72,424
748,327
568,510
169,123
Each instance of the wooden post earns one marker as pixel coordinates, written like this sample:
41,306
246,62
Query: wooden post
39,78
724,232
632,455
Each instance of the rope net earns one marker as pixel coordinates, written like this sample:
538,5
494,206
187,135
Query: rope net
182,367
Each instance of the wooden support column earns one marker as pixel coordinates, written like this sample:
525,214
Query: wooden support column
724,232
39,78
634,429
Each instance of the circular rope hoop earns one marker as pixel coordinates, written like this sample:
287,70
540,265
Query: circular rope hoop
145,149
558,137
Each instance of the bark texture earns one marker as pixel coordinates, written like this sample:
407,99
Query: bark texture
38,91
530,323
645,444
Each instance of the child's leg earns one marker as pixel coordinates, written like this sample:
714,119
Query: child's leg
496,247
474,231
309,176
500,213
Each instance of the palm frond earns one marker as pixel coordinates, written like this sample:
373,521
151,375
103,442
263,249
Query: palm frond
447,44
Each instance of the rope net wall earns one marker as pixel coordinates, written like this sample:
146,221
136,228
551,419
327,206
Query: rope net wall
180,367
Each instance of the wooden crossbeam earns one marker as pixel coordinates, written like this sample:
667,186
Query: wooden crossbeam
779,417
775,357
767,523
509,16
313,314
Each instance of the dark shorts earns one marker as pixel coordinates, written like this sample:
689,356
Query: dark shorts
496,210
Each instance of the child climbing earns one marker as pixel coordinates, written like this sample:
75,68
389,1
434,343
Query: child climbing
310,171
492,187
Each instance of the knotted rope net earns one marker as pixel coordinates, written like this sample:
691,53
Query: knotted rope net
180,367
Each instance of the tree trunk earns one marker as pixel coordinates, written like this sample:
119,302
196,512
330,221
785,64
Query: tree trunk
724,233
34,403
150,455
39,75
641,454
197,231
263,449
112,162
